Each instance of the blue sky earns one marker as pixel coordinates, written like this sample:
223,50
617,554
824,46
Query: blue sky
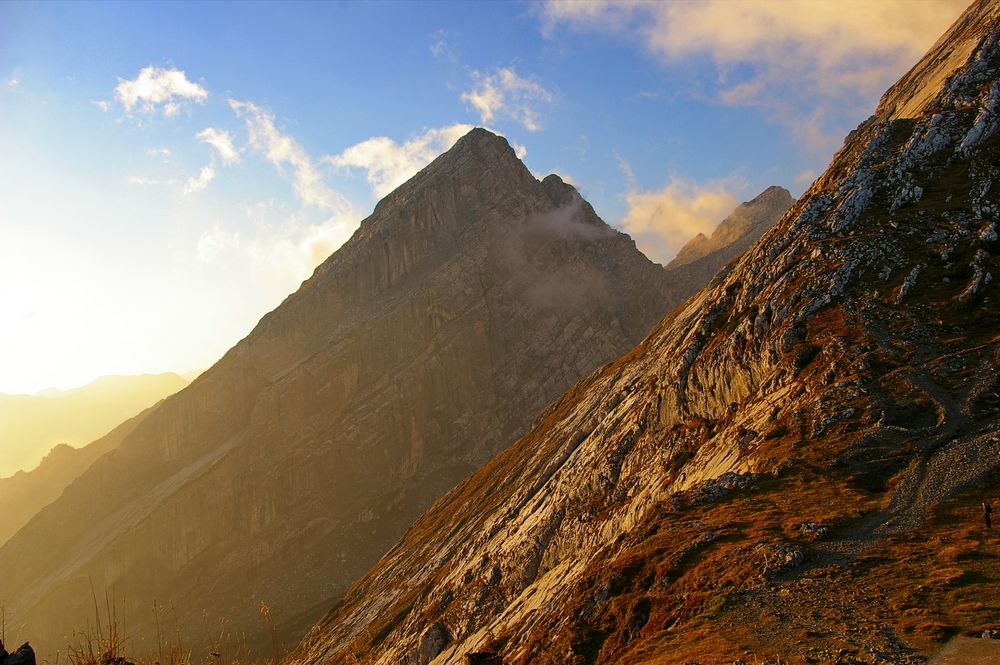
172,171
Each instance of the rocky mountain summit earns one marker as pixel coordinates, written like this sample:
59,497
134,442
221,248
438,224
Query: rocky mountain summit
471,297
739,230
790,465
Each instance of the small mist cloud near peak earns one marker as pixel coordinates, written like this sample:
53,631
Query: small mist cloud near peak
543,252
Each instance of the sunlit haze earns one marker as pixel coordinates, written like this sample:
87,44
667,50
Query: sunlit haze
171,172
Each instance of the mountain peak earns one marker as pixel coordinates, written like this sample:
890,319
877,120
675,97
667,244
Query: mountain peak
479,144
744,226
478,137
773,192
479,156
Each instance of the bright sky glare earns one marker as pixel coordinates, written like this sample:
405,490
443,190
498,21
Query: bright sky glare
171,172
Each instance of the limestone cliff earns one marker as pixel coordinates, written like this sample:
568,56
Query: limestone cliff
742,485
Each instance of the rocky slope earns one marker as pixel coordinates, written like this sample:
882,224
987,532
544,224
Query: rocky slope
745,483
470,298
31,425
739,230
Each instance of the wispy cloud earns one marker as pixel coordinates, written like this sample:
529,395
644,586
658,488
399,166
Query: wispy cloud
12,83
285,244
156,89
199,182
662,221
149,181
282,150
790,58
504,94
216,242
388,164
441,47
222,141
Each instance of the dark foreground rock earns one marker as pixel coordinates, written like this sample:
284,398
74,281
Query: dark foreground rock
24,655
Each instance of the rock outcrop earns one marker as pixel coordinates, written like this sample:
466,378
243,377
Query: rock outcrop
471,297
23,655
843,371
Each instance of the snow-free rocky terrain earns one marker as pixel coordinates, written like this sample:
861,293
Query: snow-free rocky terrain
790,466
471,297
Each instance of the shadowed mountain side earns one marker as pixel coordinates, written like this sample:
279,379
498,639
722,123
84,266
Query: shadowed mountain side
31,425
470,298
789,466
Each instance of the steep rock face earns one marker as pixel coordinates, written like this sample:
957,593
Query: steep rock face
838,381
472,296
739,230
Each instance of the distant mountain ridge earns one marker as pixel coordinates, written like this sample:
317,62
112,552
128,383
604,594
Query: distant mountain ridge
472,296
27,492
739,230
31,425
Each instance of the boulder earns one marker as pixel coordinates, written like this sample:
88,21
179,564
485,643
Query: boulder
24,655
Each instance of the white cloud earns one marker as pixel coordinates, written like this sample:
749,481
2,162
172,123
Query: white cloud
213,243
157,89
281,150
627,170
12,82
793,59
102,104
661,222
197,183
222,141
389,164
158,152
143,180
285,245
506,95
441,48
